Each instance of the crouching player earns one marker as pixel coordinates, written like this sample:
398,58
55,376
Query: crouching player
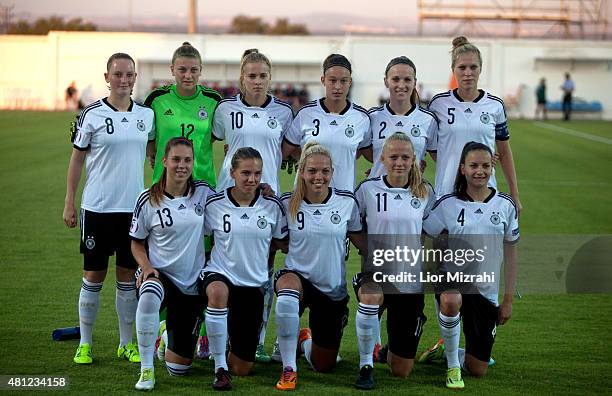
475,212
243,221
314,276
168,217
392,207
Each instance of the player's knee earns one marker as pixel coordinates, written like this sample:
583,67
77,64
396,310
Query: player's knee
217,293
240,368
124,274
401,371
370,298
95,276
476,367
289,281
450,303
323,366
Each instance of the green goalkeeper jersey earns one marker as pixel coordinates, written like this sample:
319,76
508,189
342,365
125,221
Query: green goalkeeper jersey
190,117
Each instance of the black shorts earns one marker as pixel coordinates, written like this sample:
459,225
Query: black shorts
541,102
327,318
103,235
183,317
245,314
405,319
479,317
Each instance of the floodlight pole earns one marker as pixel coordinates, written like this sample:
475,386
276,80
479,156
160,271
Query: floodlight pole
192,27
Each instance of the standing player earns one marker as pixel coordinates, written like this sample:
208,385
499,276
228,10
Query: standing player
243,222
482,217
253,118
314,276
111,138
393,207
470,114
184,109
401,113
339,125
167,231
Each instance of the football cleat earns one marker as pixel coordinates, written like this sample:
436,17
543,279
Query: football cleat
129,352
161,346
375,354
223,380
261,355
146,382
382,353
365,380
202,350
436,352
288,380
83,355
305,334
453,378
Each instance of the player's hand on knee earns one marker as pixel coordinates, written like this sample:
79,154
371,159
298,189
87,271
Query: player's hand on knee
145,274
69,216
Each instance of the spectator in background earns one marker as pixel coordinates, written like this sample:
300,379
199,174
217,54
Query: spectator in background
541,99
72,97
303,95
568,89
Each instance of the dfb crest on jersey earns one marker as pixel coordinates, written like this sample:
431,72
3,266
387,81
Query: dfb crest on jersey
485,118
262,222
140,125
335,218
349,131
415,203
495,218
199,210
90,243
202,113
134,225
272,123
415,131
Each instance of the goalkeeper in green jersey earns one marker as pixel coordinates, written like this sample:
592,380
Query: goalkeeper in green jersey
184,109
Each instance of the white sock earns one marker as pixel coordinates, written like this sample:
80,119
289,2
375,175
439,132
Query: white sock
461,355
147,320
126,303
268,300
288,325
177,370
366,323
307,349
450,328
216,329
89,303
378,339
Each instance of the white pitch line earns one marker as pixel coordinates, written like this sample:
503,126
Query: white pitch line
572,132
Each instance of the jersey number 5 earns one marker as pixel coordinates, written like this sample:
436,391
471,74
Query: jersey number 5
451,115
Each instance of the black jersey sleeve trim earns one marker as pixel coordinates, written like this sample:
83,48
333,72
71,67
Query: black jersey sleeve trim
442,198
157,92
81,148
276,201
367,180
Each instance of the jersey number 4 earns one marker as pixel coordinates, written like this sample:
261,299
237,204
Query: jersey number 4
461,217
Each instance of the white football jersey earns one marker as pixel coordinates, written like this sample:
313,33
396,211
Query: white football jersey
419,124
484,225
483,121
262,128
116,143
174,231
394,217
242,236
342,134
317,240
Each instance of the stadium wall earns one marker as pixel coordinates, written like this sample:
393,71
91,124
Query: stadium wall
35,70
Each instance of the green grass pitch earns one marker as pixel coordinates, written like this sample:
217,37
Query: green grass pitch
553,344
